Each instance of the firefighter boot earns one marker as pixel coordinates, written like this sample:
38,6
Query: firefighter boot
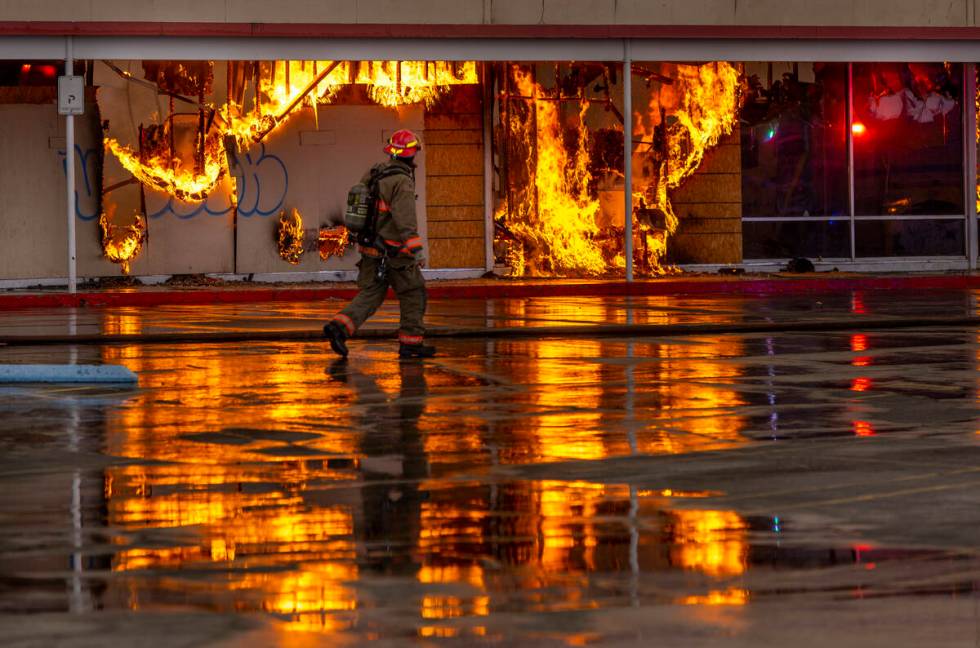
415,350
338,338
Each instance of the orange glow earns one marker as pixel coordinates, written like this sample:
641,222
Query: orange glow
861,384
858,129
696,399
731,596
121,243
556,217
560,503
395,83
442,632
977,139
553,219
171,175
711,542
240,526
290,241
278,95
863,429
859,342
266,523
669,492
332,241
700,107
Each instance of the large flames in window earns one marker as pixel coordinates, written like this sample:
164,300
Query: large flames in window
558,159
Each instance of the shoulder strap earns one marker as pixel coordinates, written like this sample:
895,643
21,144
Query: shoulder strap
391,171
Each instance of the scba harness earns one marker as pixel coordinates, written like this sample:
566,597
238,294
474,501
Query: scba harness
364,205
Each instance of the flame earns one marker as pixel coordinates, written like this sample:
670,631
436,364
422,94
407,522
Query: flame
555,217
690,116
169,173
552,223
389,83
290,236
121,243
282,88
976,103
332,241
712,542
395,83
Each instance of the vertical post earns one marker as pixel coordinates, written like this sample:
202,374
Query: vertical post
628,155
850,154
488,230
970,161
70,171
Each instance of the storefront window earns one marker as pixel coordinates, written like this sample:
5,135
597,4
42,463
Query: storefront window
906,130
794,148
898,238
796,238
908,139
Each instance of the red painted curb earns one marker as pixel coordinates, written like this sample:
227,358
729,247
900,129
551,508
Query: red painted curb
501,289
476,30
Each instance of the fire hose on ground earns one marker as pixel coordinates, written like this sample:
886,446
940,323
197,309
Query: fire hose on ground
504,332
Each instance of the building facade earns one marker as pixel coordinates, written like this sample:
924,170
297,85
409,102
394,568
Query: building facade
219,138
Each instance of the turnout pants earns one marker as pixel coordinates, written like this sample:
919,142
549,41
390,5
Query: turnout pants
405,278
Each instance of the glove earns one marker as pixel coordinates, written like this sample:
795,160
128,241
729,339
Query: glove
420,259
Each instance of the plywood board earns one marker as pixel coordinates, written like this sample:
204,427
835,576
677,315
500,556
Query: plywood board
309,165
182,237
33,219
457,253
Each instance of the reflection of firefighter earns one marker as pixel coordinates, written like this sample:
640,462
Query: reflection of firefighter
393,463
391,255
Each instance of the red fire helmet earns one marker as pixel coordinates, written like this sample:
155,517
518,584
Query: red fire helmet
403,143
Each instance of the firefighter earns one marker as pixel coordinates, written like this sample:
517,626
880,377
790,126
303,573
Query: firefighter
395,260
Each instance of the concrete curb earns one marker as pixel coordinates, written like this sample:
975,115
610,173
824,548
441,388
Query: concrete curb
805,284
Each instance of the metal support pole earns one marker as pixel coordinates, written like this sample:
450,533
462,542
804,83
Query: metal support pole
628,155
488,229
70,172
850,154
970,172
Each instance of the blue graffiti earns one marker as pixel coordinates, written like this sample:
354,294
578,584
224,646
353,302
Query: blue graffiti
257,196
275,192
83,157
254,197
177,208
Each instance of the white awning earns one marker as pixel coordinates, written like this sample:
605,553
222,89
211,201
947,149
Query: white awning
486,49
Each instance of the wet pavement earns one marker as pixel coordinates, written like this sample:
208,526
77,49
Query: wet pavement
766,489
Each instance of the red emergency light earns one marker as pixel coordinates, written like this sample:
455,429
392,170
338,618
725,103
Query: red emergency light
858,129
38,74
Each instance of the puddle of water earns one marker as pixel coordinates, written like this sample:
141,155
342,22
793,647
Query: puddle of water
348,498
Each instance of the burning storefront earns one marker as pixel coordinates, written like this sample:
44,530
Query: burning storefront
239,168
260,150
561,155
